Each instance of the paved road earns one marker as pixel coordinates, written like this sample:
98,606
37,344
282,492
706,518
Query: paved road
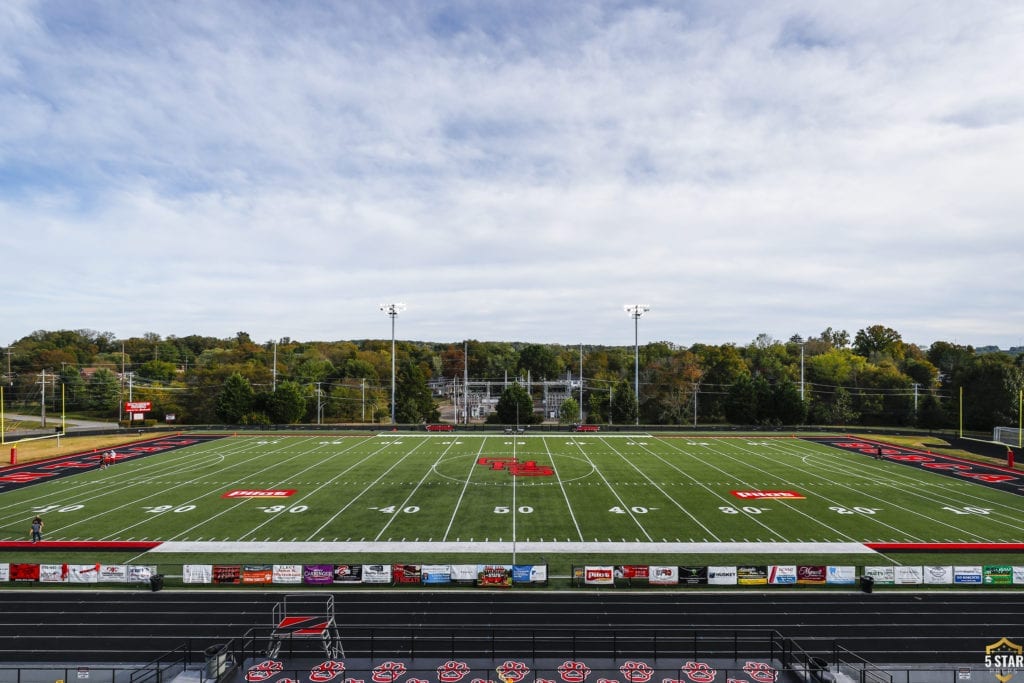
101,626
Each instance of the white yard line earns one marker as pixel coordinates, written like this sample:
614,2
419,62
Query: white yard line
565,494
613,491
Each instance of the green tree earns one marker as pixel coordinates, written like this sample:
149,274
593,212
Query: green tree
158,371
287,403
878,340
569,411
236,399
991,384
104,392
514,407
413,400
623,408
540,361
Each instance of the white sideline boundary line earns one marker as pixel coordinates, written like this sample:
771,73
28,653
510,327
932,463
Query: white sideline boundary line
403,547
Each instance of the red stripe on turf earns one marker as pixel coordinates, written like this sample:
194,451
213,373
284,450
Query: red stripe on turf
79,545
897,547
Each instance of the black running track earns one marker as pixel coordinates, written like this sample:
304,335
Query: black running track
941,627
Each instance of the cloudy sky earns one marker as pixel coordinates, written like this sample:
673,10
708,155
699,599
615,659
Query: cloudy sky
513,171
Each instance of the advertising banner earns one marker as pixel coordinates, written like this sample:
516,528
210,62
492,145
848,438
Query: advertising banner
113,573
318,574
494,575
905,575
197,573
782,574
436,574
405,573
998,575
934,574
464,574
227,573
752,575
5,571
969,574
253,574
376,573
536,574
632,571
83,573
722,576
688,576
350,573
881,575
287,573
140,573
1018,574
811,574
53,573
24,572
841,574
599,576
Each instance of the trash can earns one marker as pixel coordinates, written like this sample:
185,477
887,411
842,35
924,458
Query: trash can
156,582
867,583
818,670
216,661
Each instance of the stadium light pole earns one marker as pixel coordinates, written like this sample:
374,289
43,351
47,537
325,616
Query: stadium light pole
392,310
635,311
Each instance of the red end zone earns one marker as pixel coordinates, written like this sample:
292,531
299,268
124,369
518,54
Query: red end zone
957,547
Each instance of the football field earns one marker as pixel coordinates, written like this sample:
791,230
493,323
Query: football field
554,493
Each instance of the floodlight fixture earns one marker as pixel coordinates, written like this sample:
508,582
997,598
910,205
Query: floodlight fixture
635,311
392,310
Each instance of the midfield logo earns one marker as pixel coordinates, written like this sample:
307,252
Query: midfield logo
530,468
1004,658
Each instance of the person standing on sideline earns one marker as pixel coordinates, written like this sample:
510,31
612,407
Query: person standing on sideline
37,529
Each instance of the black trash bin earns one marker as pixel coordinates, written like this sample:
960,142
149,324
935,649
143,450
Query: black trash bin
867,583
818,670
156,582
216,661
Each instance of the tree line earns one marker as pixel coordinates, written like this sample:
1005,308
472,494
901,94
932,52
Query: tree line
871,378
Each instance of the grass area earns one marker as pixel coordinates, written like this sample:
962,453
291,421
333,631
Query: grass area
558,487
51,447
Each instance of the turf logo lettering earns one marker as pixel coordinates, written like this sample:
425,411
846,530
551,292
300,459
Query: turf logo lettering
785,495
246,493
529,468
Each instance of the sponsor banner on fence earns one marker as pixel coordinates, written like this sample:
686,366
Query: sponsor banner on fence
969,574
197,573
662,575
83,573
813,574
998,575
841,574
752,575
405,573
140,573
227,573
632,571
376,573
21,571
113,573
905,575
348,573
252,574
287,573
936,574
722,576
436,574
529,573
494,575
318,574
599,576
782,574
881,575
1018,574
463,573
53,573
5,571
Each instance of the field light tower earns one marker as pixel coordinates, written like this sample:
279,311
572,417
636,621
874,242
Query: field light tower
392,310
634,311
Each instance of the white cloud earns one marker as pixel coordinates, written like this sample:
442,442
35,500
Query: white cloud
513,171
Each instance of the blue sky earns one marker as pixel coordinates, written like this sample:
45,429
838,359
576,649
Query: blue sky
513,171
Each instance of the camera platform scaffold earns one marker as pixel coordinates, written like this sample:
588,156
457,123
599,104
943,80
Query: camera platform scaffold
306,617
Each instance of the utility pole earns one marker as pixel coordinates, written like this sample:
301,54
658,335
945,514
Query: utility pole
465,380
42,400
